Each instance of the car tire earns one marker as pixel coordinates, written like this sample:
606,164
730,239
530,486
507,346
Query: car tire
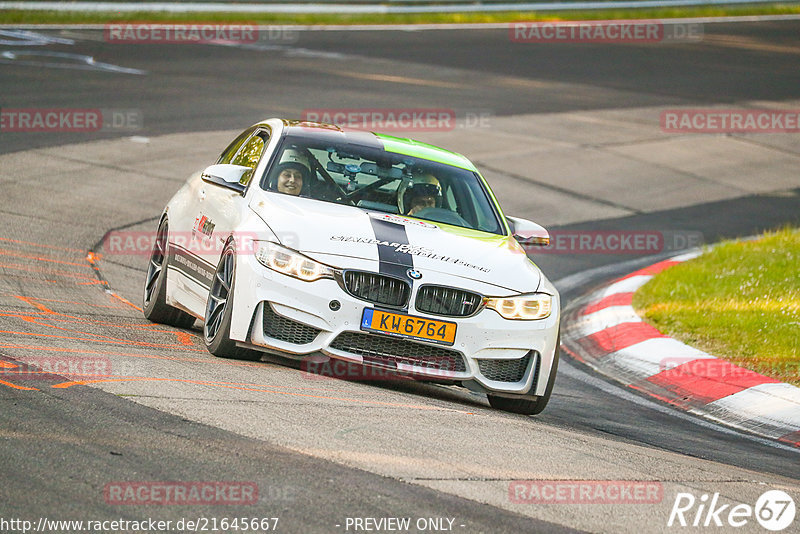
219,309
154,303
527,405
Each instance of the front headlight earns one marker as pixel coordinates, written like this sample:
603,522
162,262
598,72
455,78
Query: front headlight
287,261
523,307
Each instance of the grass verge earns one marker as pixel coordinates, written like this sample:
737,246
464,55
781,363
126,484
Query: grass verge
739,301
78,17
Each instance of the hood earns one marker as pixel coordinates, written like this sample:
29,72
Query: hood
394,242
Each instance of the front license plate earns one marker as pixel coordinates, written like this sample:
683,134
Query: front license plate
408,326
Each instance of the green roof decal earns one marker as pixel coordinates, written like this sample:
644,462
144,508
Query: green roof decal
409,147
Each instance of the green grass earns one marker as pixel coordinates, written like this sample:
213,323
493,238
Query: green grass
77,17
739,301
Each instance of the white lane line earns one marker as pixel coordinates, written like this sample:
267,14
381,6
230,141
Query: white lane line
606,318
627,285
777,404
62,60
653,356
29,38
627,396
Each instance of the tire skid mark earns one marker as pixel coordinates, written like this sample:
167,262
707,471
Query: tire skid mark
58,316
28,268
128,354
261,389
39,264
32,278
184,338
121,299
105,338
95,340
92,258
40,245
310,392
60,301
5,252
17,386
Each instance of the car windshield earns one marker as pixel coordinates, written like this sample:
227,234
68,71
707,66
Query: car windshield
373,179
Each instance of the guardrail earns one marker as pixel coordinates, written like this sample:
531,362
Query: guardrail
323,6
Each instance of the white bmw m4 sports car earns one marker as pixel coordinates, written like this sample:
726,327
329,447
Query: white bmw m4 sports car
312,241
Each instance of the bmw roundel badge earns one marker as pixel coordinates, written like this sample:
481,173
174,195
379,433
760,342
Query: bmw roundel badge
414,274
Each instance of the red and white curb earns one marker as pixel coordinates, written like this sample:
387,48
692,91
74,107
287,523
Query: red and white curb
605,332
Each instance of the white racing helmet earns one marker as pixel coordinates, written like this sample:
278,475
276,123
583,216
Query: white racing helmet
294,155
419,185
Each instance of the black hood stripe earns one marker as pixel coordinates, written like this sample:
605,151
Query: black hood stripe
390,260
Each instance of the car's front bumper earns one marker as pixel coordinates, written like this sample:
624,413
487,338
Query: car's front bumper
490,354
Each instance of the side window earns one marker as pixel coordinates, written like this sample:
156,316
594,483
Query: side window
449,197
250,152
478,208
228,153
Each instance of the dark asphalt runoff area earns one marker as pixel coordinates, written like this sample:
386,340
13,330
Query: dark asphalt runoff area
184,86
60,447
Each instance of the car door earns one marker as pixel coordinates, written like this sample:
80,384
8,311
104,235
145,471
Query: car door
205,217
219,209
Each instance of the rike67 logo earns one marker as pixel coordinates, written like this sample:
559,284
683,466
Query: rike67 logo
774,510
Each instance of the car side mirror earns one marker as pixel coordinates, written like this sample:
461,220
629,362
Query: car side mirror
528,233
233,177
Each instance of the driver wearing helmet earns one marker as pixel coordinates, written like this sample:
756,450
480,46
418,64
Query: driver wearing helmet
291,173
421,192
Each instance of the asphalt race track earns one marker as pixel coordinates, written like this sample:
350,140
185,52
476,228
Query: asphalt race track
569,136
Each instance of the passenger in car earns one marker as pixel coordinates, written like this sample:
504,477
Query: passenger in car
291,178
292,173
421,193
